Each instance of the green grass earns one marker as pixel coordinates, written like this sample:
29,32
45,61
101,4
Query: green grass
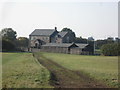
21,70
102,68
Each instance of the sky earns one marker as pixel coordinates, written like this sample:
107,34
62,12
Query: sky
98,19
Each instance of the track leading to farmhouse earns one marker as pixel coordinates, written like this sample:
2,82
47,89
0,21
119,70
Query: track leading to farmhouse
64,78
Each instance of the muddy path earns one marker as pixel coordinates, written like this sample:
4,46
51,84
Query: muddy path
65,78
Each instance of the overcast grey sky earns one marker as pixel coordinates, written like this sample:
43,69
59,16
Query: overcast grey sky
97,19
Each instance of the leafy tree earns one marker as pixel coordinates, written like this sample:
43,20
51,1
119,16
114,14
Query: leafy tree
80,40
112,49
7,45
66,30
8,39
99,43
22,41
8,34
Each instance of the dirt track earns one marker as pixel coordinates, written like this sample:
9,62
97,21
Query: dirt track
64,78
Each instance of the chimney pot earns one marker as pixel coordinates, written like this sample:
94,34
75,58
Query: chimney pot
55,28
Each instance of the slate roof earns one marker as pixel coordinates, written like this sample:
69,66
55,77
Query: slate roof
43,32
81,45
62,34
65,45
58,44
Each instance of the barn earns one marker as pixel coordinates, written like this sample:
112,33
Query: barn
68,48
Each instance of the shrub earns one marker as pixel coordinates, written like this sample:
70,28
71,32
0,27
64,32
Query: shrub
7,45
111,49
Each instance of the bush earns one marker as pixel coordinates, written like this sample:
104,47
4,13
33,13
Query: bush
111,49
7,45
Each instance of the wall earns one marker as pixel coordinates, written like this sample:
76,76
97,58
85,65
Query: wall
53,37
43,38
59,40
68,38
75,51
54,49
88,50
62,50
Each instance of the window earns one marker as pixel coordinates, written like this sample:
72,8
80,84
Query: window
32,38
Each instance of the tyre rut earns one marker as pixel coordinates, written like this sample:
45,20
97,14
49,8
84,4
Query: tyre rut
65,78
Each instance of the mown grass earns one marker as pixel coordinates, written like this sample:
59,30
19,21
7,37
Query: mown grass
21,70
102,68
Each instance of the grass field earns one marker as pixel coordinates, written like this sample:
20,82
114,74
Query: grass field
21,70
102,68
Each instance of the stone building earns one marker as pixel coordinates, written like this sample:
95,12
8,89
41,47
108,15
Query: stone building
50,40
43,36
68,48
63,37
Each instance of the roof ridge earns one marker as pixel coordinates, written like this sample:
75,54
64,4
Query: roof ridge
43,32
44,29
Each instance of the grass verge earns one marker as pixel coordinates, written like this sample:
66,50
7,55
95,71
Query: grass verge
21,70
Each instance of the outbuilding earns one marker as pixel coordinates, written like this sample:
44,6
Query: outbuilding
69,48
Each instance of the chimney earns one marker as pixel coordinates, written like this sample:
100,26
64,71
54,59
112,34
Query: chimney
55,28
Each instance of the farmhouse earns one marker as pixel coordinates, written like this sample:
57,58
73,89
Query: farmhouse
43,36
51,40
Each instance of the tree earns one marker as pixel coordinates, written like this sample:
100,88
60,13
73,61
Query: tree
111,49
80,40
22,41
8,34
99,43
110,40
66,30
8,39
7,45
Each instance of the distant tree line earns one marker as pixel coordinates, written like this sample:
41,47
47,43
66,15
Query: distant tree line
109,40
10,42
107,47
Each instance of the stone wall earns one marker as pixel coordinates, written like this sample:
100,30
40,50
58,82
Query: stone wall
46,39
61,50
55,49
59,40
75,51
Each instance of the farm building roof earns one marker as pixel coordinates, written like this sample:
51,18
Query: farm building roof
65,45
81,45
62,34
44,32
59,44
